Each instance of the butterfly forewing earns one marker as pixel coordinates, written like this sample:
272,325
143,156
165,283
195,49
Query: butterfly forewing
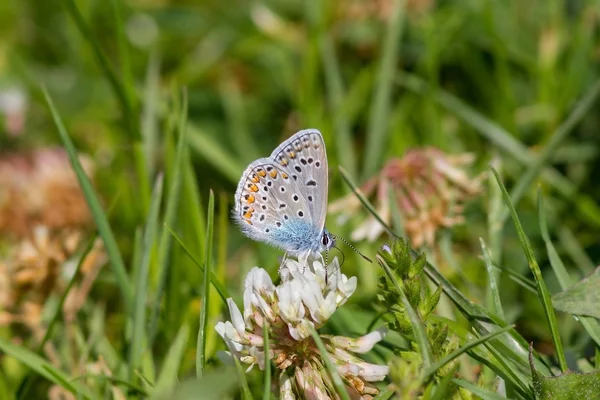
304,158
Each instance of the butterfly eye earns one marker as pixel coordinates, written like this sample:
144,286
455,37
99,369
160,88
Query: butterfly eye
325,240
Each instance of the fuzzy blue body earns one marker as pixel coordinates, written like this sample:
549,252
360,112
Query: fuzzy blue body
297,236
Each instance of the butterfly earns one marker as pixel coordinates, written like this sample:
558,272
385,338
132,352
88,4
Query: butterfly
282,199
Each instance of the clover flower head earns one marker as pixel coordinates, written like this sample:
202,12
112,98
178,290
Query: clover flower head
306,298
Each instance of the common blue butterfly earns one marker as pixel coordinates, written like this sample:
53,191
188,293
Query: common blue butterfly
282,199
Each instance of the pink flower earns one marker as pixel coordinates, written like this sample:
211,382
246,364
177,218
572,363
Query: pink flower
429,188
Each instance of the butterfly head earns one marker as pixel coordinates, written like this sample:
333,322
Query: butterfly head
327,241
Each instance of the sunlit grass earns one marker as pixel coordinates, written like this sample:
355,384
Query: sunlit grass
171,124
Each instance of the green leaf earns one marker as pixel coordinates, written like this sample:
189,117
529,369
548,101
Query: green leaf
568,386
591,325
583,298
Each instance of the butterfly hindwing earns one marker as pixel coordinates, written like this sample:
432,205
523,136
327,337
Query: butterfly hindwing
270,207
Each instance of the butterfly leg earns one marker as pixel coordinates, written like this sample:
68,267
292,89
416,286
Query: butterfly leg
325,265
285,258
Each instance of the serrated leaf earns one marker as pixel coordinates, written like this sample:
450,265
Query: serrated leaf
568,386
417,266
583,298
430,302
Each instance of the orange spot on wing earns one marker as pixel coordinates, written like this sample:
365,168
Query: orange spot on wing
292,154
284,162
284,175
273,174
254,188
251,199
255,179
262,173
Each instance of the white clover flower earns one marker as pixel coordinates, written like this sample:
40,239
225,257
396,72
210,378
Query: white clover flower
304,300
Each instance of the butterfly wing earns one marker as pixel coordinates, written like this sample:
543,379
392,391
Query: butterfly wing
304,158
270,207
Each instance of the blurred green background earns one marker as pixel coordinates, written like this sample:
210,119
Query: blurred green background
510,81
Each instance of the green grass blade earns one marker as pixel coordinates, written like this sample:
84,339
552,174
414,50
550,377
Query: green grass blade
417,325
515,346
214,153
591,325
493,287
215,385
335,98
222,290
112,249
167,379
267,347
366,203
124,51
380,109
44,368
25,386
478,391
150,114
503,139
495,228
333,372
385,394
106,68
59,307
246,393
441,389
397,221
543,293
164,246
571,245
201,347
556,140
432,369
237,124
139,340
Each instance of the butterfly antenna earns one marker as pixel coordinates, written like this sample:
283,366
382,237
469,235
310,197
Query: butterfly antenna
352,247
